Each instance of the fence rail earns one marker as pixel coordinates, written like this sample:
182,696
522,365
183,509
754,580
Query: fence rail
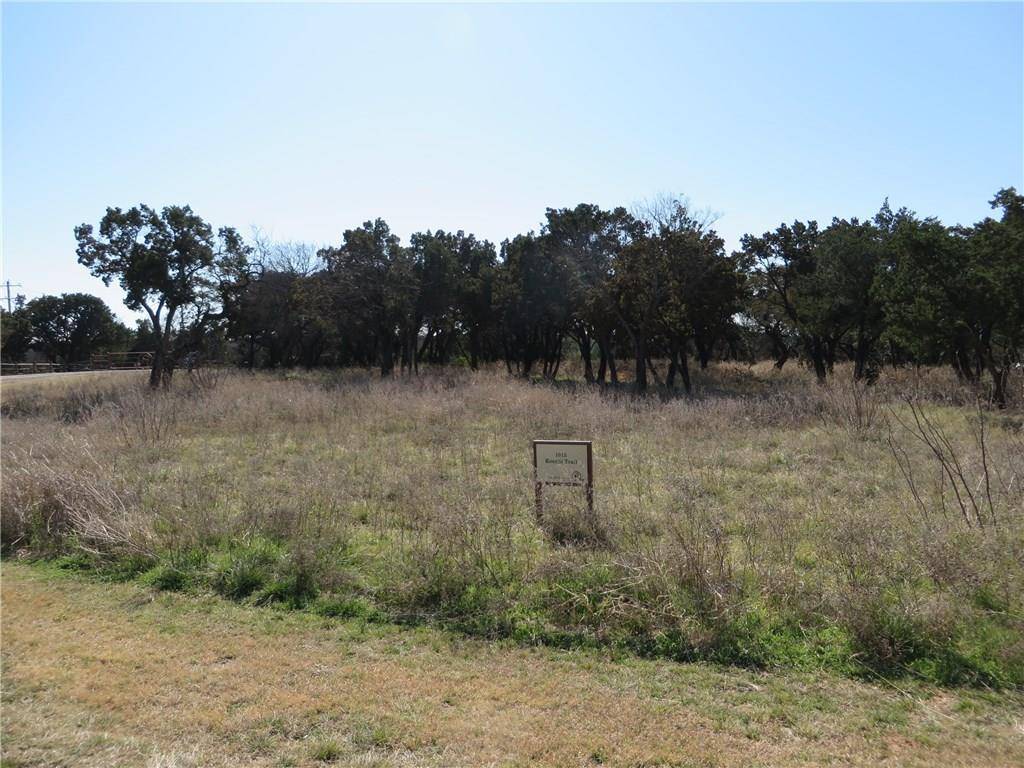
114,361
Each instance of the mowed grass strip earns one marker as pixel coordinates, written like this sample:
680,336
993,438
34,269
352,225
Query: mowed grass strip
114,674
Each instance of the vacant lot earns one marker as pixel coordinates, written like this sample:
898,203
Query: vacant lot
850,540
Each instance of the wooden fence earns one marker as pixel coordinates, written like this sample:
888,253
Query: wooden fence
113,361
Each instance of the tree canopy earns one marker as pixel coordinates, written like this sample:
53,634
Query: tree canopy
65,329
605,284
169,264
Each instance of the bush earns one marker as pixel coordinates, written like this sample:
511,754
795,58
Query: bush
146,417
339,607
71,496
180,571
294,583
852,405
574,524
241,570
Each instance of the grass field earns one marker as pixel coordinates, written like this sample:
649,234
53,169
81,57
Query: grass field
775,573
117,675
42,382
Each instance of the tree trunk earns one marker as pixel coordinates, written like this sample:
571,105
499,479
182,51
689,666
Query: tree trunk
1000,376
781,356
160,374
527,365
156,373
679,364
607,361
640,353
474,348
413,341
861,355
820,369
962,365
653,370
817,355
588,366
387,358
684,371
703,353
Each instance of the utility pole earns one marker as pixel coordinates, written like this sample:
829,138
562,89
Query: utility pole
8,285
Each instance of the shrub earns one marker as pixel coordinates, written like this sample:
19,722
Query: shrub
293,583
850,404
980,484
146,417
464,557
242,569
340,607
72,495
573,523
179,571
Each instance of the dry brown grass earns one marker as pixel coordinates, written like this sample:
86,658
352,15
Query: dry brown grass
64,381
763,522
114,675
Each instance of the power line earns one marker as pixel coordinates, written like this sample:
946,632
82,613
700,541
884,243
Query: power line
8,285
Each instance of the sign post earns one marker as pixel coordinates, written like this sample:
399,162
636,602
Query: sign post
563,462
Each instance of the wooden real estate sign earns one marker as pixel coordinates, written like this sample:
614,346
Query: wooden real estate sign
563,462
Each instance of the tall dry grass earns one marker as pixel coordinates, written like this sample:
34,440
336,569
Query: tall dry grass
765,520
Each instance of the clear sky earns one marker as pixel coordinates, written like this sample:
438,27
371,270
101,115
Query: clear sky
306,120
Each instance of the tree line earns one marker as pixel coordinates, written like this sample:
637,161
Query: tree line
655,282
66,329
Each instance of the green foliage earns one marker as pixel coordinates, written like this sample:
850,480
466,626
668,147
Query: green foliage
454,283
369,734
75,561
339,607
978,648
914,288
958,294
125,567
531,305
760,637
65,329
169,264
658,283
178,572
372,282
325,751
675,283
294,584
654,284
242,569
15,335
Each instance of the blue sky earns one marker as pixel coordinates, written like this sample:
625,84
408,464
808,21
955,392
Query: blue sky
306,120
